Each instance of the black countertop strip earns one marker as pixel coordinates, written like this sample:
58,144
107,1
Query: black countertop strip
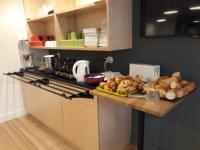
63,86
66,81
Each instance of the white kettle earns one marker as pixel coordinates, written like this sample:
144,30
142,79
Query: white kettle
80,69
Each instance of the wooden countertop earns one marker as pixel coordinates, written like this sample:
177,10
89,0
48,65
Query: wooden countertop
156,108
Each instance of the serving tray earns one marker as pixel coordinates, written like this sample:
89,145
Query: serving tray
114,93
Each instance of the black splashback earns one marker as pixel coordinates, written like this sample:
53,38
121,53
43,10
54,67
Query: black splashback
121,60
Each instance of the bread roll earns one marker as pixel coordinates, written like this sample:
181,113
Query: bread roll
107,87
169,80
162,85
177,75
170,95
118,80
162,93
184,83
186,90
175,85
102,84
122,90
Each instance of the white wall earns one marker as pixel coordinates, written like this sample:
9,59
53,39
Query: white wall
12,29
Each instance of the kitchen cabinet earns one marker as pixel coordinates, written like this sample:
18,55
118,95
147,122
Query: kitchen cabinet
31,100
51,110
85,123
80,123
74,15
90,124
44,106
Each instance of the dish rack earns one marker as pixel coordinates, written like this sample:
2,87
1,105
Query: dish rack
66,90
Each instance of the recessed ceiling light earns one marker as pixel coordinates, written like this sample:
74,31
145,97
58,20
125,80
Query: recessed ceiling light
161,20
195,8
196,21
170,12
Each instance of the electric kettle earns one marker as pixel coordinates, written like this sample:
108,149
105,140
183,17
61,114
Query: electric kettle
80,69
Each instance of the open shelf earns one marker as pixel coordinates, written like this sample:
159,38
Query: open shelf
41,28
41,19
75,15
85,9
75,20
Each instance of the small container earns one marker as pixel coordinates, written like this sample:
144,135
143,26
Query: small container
95,78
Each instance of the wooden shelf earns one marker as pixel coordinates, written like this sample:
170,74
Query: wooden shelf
85,9
87,49
41,19
40,47
74,16
77,49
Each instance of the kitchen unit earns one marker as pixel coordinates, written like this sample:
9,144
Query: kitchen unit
70,111
73,16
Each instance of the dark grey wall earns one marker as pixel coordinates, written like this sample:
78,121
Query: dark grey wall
180,129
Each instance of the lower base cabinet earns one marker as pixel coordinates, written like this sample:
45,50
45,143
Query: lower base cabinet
80,120
51,110
43,106
31,100
86,124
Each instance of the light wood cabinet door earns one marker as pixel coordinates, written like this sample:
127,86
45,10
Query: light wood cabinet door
51,110
44,106
31,100
81,124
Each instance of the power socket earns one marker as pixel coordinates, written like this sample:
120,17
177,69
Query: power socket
109,60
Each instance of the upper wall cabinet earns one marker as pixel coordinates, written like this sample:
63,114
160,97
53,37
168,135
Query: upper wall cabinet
111,18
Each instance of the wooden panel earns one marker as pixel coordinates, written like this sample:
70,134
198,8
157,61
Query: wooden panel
50,28
64,5
51,110
90,20
36,28
31,7
157,108
50,2
81,3
31,100
63,26
42,19
114,125
90,8
120,24
91,102
26,133
46,27
80,125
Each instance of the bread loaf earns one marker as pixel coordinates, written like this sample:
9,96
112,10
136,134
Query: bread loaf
175,85
171,95
177,75
186,90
